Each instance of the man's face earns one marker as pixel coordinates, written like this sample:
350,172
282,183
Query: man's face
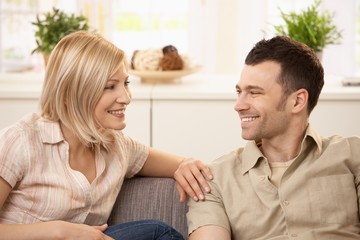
260,103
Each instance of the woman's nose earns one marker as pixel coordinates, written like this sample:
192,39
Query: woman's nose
124,96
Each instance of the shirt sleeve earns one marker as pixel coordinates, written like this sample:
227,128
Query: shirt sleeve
12,156
208,212
354,143
135,152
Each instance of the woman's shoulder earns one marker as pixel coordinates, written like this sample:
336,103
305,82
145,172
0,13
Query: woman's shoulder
27,123
124,140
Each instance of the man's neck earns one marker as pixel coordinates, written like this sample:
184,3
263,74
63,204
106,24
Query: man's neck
283,148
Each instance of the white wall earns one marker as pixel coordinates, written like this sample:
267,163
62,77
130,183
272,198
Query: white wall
222,32
338,59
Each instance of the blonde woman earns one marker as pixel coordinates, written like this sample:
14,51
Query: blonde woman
61,170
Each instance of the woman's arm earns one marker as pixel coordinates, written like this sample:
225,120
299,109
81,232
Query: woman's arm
46,230
187,173
5,189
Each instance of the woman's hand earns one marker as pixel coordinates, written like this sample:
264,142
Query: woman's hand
53,230
66,230
188,173
190,180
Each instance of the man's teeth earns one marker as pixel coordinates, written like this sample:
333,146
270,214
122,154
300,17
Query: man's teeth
117,112
248,119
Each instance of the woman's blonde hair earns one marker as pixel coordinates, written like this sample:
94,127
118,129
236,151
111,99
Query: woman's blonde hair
76,75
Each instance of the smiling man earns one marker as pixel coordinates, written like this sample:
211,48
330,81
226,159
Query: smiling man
288,182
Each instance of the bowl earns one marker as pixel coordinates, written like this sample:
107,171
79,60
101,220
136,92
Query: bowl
163,76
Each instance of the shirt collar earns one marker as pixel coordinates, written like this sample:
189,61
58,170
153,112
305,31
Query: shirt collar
252,154
50,132
312,134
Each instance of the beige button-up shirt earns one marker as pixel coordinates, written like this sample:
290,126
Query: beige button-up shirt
317,197
34,160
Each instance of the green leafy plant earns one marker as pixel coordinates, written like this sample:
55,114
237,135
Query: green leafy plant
53,26
310,26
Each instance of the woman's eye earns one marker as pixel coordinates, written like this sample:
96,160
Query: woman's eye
126,83
110,87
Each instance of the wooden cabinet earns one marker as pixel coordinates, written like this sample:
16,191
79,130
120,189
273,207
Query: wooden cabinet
19,96
194,117
337,117
205,129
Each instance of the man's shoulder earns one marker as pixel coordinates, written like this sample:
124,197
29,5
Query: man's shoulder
337,139
231,160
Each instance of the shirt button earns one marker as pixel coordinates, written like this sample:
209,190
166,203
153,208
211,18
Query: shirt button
294,235
262,178
285,203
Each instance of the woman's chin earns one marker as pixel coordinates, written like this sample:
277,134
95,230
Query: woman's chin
117,126
121,127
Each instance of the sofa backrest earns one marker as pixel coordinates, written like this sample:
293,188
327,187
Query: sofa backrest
150,198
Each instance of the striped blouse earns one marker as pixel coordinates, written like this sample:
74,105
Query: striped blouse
34,160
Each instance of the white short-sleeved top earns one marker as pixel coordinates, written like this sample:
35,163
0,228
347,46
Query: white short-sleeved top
34,160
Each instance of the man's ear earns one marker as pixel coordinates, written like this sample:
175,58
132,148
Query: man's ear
300,98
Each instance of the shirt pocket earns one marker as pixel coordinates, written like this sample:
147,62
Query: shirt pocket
334,199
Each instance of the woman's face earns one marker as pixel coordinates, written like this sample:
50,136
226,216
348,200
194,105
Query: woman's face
110,110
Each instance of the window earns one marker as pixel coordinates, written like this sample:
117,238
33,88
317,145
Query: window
15,26
15,15
217,35
141,24
358,38
132,25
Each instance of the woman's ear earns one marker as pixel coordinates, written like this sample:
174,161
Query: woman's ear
300,100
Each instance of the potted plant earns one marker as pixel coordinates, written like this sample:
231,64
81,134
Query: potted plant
53,26
310,26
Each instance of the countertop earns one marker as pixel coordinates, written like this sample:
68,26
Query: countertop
194,87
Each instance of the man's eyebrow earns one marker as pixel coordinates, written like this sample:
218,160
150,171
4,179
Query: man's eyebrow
250,87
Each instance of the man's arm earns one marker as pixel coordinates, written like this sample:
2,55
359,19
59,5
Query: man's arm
210,233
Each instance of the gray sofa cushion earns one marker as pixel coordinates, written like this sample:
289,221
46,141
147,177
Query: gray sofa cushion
150,198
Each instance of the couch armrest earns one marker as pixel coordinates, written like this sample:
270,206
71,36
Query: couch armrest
150,198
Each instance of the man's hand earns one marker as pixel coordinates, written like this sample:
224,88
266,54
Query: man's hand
190,180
